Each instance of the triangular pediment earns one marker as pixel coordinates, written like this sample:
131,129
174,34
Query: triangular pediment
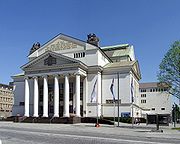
49,60
60,44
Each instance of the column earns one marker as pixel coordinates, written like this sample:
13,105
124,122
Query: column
77,95
66,97
56,96
26,98
85,99
36,97
45,97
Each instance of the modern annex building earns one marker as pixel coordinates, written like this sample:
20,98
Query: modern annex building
154,99
67,76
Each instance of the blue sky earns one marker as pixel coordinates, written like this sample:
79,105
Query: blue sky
150,25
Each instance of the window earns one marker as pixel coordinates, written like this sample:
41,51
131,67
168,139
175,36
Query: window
143,90
21,103
143,101
110,101
143,95
153,109
79,55
162,108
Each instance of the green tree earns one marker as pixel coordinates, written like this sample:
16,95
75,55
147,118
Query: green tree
169,69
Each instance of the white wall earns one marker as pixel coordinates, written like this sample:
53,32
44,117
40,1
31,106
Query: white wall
108,111
18,97
156,100
124,93
125,89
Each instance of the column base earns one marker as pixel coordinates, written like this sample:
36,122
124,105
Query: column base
56,115
35,115
26,115
65,115
78,115
45,116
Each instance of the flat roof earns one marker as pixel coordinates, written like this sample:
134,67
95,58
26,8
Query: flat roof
5,86
152,85
114,47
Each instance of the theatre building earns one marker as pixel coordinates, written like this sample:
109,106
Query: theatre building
67,76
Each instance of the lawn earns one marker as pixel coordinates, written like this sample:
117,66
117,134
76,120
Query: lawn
178,128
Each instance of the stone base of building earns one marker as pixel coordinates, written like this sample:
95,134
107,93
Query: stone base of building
58,120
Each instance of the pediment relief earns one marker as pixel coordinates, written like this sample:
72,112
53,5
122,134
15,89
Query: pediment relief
60,44
49,59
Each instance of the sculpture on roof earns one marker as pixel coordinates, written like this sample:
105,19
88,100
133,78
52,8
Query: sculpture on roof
35,47
93,39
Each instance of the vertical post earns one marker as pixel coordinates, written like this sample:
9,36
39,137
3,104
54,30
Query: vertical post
85,93
45,97
157,122
132,115
114,114
78,95
26,98
36,96
99,88
118,98
56,96
66,97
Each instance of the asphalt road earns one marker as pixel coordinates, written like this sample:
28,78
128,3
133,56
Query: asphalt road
20,133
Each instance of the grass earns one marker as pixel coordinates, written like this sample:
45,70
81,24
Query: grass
177,128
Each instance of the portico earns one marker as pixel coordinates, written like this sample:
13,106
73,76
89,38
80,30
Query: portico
55,95
56,85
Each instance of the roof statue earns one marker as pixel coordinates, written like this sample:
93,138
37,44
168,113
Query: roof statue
35,47
93,39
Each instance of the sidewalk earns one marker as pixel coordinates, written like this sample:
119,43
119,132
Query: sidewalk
130,126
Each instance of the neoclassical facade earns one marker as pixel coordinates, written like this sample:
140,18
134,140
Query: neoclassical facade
67,76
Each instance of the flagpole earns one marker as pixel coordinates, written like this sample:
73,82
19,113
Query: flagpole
118,98
132,99
97,124
132,115
114,114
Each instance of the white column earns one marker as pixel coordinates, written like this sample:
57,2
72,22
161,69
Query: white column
66,97
45,97
85,99
56,96
26,98
78,95
36,96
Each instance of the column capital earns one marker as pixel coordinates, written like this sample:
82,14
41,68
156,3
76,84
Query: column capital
67,74
34,77
26,77
99,73
77,73
55,75
44,76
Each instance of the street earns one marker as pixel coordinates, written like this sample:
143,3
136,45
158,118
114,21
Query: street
18,133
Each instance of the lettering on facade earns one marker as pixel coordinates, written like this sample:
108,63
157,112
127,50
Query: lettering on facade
50,61
61,45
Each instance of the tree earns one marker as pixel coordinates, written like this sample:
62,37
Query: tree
169,69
